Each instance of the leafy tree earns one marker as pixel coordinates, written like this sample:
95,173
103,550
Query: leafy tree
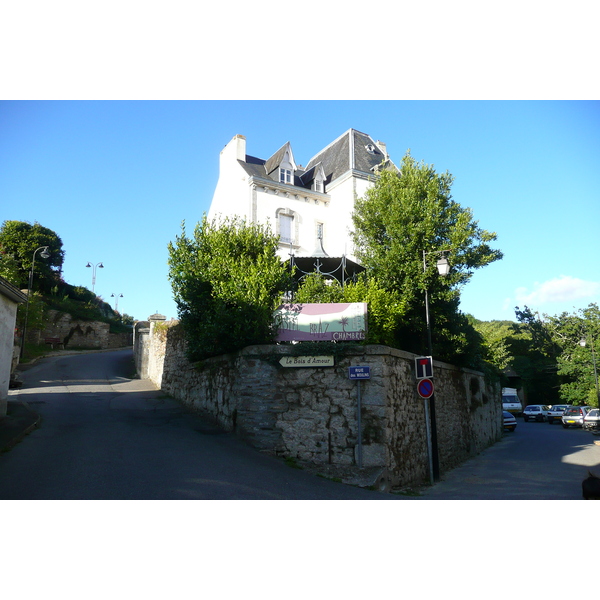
227,280
536,357
18,242
578,336
400,217
496,341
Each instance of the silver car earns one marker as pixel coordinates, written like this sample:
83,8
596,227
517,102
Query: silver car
574,415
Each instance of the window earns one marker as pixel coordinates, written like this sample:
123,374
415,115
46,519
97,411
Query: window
318,185
285,228
285,175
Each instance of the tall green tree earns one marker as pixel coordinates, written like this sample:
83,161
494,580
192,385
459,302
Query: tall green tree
18,242
403,215
578,337
227,280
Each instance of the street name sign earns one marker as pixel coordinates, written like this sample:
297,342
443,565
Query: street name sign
307,361
359,372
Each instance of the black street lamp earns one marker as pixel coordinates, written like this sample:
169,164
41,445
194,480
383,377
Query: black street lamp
44,254
443,269
117,296
99,265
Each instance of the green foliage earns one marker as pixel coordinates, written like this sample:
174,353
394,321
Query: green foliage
578,336
400,217
227,280
18,243
496,336
9,268
385,308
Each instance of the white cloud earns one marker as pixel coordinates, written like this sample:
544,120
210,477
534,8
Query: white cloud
560,289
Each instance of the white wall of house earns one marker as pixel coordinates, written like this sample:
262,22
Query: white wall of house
232,194
260,199
8,315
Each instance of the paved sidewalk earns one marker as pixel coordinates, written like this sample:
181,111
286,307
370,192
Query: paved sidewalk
20,419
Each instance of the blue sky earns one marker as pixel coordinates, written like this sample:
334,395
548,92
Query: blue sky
115,179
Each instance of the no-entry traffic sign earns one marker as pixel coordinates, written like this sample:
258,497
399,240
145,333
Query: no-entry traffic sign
425,388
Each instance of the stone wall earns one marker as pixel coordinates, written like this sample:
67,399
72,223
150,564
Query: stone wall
310,414
81,334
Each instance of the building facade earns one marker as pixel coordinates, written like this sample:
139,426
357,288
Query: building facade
10,298
310,208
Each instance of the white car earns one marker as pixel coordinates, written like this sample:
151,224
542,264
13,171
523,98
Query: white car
509,421
535,412
554,413
591,421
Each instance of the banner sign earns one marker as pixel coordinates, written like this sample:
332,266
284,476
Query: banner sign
321,322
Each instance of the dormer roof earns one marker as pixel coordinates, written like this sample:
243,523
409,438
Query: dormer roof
280,156
354,151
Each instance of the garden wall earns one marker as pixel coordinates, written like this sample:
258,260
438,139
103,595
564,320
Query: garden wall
75,333
310,413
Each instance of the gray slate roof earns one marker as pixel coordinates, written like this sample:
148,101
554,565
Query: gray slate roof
353,150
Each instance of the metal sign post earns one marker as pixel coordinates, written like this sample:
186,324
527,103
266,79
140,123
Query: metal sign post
425,390
359,373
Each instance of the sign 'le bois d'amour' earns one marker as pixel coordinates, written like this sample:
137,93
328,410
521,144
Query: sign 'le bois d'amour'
321,322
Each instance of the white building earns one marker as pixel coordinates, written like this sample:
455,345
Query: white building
10,298
310,207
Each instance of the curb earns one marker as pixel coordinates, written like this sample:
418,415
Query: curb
13,441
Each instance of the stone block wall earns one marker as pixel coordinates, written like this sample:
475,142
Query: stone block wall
310,413
82,334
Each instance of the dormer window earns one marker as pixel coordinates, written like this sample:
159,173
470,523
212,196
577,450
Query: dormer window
285,175
318,185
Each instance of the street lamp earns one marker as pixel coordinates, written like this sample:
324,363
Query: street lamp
99,265
583,343
44,254
443,268
117,296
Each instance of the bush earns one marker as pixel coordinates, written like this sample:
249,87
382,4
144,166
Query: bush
227,280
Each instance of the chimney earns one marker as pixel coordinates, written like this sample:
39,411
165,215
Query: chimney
383,148
236,149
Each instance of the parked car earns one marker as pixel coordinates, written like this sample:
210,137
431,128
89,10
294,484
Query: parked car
574,415
535,412
510,422
554,413
591,421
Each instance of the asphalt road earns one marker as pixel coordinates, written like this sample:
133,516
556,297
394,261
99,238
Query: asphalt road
537,461
106,436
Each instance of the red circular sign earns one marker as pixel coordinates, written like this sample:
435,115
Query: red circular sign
425,388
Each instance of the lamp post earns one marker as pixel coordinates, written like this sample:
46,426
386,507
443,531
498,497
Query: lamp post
583,343
44,254
117,296
443,269
99,265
